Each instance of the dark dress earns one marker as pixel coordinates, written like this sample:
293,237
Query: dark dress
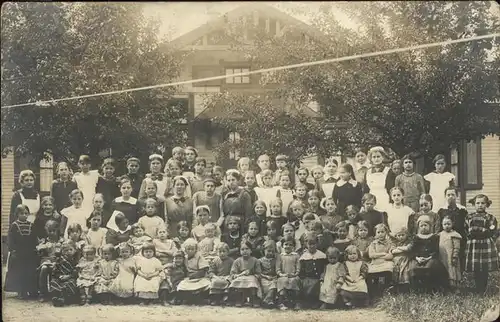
457,215
40,221
432,273
60,191
373,217
65,289
109,190
23,260
237,203
178,209
312,267
252,193
136,181
234,244
345,194
116,237
129,208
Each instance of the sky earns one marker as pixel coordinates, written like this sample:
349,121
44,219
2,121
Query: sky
182,17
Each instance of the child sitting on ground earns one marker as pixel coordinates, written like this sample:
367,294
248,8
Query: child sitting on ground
219,273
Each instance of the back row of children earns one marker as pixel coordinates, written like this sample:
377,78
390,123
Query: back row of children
262,212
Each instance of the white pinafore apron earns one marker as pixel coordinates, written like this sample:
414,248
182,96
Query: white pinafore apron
376,182
33,205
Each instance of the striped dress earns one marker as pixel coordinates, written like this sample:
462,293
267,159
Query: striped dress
481,254
66,289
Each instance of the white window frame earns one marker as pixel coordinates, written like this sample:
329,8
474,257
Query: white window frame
234,137
238,80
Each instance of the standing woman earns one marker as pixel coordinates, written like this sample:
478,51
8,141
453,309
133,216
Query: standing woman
379,179
190,155
361,165
178,207
237,201
162,181
439,181
27,196
62,187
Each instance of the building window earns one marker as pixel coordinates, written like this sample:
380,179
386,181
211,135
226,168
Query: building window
237,79
466,165
234,137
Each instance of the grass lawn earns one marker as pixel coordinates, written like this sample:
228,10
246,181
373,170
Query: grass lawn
443,308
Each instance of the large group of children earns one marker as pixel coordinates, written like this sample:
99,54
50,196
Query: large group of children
331,236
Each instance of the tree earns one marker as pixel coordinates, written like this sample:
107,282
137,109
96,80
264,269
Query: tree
417,101
54,50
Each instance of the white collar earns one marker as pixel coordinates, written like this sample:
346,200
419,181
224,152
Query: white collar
341,182
308,256
285,254
124,231
131,200
459,206
334,176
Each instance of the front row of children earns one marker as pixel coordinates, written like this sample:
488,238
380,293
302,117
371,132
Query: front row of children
251,269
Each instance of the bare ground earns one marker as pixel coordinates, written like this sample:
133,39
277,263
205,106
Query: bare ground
17,310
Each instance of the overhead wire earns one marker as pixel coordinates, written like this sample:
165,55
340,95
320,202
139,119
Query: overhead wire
259,71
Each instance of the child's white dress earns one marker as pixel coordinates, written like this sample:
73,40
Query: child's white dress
438,183
123,284
87,183
397,218
449,248
87,274
162,247
138,242
75,216
151,225
96,238
148,289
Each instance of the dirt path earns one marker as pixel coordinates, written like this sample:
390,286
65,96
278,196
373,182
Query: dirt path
16,310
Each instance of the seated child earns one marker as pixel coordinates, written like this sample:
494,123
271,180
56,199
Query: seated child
268,274
342,241
244,274
288,270
175,272
48,249
207,246
195,287
381,265
123,284
312,266
332,279
354,291
252,236
96,235
119,232
151,222
401,259
138,238
165,248
108,270
149,275
362,240
427,273
219,273
87,274
330,219
232,236
63,288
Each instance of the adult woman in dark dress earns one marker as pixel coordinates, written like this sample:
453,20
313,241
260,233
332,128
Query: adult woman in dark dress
236,201
178,207
27,196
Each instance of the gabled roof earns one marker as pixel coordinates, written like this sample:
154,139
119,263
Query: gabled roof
266,10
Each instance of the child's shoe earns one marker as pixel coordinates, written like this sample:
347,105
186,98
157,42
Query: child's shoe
283,307
57,301
323,306
298,306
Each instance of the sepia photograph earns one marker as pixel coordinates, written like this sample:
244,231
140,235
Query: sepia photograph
250,161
